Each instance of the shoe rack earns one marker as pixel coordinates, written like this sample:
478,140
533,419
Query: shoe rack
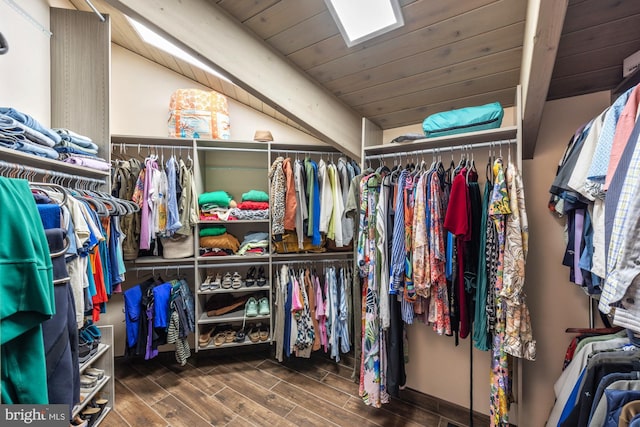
104,389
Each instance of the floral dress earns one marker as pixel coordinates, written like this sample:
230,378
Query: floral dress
499,378
373,368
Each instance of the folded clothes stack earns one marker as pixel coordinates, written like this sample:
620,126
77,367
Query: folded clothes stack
254,205
21,132
219,245
215,206
255,243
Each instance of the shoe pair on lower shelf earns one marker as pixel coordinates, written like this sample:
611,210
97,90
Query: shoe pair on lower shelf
90,414
255,277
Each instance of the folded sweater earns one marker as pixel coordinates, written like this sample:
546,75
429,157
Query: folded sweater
219,198
255,196
223,241
216,230
253,206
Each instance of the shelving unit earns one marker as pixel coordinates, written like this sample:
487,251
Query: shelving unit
102,359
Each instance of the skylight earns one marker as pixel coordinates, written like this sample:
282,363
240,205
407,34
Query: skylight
156,40
361,20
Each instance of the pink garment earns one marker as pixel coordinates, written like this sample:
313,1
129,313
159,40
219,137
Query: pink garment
145,231
320,313
625,125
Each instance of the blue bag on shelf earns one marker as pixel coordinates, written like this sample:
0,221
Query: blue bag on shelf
469,119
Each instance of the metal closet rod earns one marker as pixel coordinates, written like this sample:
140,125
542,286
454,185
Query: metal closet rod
162,267
315,261
256,150
440,150
125,145
29,170
329,153
202,265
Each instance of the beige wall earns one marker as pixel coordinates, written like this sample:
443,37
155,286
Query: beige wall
140,97
555,303
24,70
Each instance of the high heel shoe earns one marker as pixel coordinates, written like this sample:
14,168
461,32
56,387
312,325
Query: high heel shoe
250,279
261,280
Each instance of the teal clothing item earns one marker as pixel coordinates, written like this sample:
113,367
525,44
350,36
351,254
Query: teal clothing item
255,196
27,295
481,339
218,198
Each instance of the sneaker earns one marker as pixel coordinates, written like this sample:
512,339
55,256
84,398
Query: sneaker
94,372
251,308
263,307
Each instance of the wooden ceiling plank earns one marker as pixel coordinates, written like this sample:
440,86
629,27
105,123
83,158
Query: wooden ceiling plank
601,36
458,73
478,47
591,13
580,84
416,115
475,86
245,9
298,36
416,15
259,70
255,103
282,15
242,96
542,36
495,15
594,59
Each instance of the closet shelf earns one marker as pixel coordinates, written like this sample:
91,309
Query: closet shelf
102,349
222,259
234,316
312,256
247,341
501,134
156,260
243,289
86,398
13,156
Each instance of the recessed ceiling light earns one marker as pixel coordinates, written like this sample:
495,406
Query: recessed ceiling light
361,20
156,40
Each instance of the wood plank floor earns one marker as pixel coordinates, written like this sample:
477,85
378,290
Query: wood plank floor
253,389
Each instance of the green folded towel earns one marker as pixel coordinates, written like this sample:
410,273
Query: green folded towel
255,196
219,198
216,230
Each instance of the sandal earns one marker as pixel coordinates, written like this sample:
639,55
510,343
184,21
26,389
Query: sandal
254,332
264,333
220,338
237,281
250,280
226,281
229,336
205,338
217,282
205,286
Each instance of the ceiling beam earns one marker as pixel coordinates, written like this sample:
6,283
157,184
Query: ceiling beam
545,19
208,31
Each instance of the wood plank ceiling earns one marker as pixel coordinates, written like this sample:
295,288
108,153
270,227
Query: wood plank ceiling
596,37
449,54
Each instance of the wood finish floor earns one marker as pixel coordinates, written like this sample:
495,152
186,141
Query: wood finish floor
254,389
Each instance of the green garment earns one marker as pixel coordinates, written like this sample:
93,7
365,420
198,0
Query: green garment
27,295
219,198
255,196
481,339
331,229
213,231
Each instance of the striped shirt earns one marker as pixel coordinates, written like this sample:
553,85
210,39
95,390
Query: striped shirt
623,260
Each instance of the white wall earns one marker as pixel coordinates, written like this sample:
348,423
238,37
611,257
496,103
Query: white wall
24,69
140,94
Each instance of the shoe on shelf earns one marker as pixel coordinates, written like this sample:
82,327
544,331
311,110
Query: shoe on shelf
216,283
251,308
92,330
91,415
261,280
236,282
87,382
84,351
205,337
205,286
226,281
254,332
250,279
94,372
263,307
264,333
